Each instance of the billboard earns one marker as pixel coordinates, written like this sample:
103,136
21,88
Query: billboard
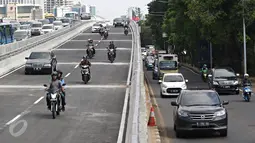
134,13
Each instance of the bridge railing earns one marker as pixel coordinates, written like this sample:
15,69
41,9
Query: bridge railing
15,48
133,127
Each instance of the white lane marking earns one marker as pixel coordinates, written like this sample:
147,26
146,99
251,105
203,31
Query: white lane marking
37,101
68,74
190,70
11,71
103,40
67,86
118,49
14,119
76,66
95,63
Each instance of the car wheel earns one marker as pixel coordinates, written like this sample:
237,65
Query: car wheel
224,133
179,134
26,73
161,95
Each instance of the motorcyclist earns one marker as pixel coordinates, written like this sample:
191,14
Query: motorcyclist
126,26
61,79
204,68
55,85
112,46
85,61
102,28
246,81
90,43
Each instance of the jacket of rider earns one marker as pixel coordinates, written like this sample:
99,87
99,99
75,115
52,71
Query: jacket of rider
85,62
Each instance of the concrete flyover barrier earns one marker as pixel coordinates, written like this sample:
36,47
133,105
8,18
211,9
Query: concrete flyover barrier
133,128
13,55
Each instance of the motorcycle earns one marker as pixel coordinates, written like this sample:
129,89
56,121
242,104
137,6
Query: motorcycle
105,34
85,73
204,75
126,31
90,52
55,101
247,93
111,55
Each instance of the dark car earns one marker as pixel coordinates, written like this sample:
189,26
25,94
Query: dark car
223,80
199,110
118,22
85,16
41,62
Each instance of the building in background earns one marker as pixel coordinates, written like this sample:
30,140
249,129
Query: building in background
49,5
92,10
21,9
134,13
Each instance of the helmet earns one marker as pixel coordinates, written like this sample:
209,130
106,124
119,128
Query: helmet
59,72
54,74
246,75
111,42
84,57
204,65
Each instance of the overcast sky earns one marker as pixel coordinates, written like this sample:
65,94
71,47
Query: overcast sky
111,9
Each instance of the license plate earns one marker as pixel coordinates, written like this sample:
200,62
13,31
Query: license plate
227,87
53,99
202,124
174,90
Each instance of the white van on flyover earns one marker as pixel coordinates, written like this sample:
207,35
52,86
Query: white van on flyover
36,28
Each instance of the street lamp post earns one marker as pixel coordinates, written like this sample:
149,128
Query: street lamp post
244,43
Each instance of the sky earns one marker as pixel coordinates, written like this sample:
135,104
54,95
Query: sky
111,9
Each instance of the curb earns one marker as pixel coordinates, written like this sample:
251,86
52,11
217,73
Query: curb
154,135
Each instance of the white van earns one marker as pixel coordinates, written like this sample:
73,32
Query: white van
36,28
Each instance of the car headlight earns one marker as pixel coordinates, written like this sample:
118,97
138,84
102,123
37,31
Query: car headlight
28,65
236,82
47,65
182,113
220,113
184,86
215,83
164,86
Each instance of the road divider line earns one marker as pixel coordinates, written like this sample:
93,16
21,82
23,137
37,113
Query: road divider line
67,86
76,66
68,74
12,71
37,101
161,125
103,40
14,119
96,63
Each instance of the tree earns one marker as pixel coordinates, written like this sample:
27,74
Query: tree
191,25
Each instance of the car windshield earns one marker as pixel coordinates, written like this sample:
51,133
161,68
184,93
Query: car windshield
168,65
118,20
20,33
173,78
224,73
39,55
37,25
47,27
200,98
57,23
23,27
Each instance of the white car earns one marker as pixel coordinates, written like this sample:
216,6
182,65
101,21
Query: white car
36,28
47,28
95,28
172,84
58,25
25,27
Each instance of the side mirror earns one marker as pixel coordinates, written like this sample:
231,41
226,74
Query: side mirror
237,74
63,84
160,81
45,85
209,75
173,103
186,80
26,58
225,102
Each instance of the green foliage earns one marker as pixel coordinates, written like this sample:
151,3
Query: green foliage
189,22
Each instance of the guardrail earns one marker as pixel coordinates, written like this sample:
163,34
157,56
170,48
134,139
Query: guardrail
11,49
133,128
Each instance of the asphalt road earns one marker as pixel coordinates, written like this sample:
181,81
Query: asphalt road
93,111
241,115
